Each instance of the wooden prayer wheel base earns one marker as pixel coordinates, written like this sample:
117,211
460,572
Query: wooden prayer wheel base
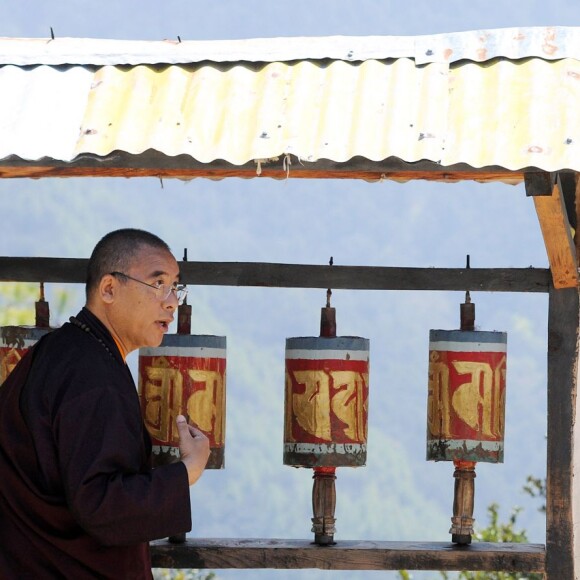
463,502
323,505
324,540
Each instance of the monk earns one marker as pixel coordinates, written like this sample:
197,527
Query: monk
78,498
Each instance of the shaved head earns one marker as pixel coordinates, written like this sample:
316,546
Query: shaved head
116,252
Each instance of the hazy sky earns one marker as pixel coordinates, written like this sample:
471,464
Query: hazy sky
153,20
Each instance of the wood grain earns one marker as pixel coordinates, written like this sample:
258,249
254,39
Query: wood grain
347,555
155,164
558,237
73,270
563,460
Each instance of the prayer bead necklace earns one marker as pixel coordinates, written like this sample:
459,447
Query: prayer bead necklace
88,329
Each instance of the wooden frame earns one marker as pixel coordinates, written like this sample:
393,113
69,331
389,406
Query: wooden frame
557,204
556,559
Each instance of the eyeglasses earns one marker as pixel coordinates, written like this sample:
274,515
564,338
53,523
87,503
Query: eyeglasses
162,291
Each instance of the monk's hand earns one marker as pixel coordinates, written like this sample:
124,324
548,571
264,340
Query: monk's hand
193,447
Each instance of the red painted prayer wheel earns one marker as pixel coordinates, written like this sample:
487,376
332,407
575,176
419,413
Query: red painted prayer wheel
16,340
326,412
466,408
326,401
466,400
185,375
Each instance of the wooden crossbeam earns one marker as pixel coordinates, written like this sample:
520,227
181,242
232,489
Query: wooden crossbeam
347,555
155,164
548,195
73,270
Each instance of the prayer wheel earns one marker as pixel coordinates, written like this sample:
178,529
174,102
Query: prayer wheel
466,407
326,411
16,340
326,401
185,375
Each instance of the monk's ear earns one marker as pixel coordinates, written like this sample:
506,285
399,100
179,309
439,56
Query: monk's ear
108,288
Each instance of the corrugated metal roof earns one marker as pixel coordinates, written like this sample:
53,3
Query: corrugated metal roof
552,42
333,112
511,112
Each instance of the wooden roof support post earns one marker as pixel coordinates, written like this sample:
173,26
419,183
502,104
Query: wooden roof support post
549,191
558,207
563,464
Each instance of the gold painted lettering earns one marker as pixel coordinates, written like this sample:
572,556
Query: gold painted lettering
499,375
163,394
312,408
288,435
438,416
476,402
206,405
347,402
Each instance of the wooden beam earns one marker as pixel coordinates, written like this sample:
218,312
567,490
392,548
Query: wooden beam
73,270
36,172
557,234
348,555
155,164
539,183
563,461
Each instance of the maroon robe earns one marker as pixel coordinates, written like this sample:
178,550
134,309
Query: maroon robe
78,498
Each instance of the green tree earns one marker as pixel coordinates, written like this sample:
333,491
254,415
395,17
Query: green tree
497,531
17,303
536,488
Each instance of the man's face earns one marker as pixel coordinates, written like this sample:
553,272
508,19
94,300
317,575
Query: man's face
138,316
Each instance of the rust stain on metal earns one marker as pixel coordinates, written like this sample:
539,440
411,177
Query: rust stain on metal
549,47
535,149
482,53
